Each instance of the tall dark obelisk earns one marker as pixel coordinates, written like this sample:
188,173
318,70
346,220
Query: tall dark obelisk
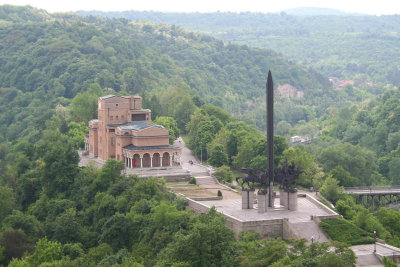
270,136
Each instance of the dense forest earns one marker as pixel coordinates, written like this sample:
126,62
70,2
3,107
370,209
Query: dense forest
359,47
53,57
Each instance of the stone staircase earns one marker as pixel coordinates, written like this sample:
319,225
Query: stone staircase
205,180
368,260
310,230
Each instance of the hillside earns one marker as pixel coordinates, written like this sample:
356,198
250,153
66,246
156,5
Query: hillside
49,58
349,47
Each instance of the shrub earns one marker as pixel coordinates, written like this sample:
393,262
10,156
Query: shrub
219,193
192,180
224,173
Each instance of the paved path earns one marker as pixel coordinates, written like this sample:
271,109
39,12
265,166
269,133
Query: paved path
187,155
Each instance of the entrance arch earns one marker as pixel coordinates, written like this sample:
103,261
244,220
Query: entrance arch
146,160
166,159
156,160
136,161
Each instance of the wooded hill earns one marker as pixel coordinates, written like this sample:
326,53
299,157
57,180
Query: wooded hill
46,59
349,47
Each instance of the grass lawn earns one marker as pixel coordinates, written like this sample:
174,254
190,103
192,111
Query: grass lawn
176,183
193,191
346,232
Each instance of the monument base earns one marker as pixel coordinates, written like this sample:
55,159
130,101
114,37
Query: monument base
247,198
262,203
283,197
292,205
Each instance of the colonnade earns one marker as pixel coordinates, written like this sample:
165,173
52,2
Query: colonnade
148,161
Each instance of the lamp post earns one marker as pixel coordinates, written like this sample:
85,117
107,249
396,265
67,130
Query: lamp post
374,241
201,153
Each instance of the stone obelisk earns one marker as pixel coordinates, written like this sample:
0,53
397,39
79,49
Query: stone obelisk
270,136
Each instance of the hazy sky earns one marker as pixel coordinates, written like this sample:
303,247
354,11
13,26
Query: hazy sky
265,6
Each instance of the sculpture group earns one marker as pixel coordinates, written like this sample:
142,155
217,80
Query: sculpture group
257,178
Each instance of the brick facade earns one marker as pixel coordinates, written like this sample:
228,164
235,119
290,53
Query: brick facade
124,131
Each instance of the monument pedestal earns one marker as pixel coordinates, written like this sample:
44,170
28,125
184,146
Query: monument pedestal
262,202
283,197
247,198
272,201
292,205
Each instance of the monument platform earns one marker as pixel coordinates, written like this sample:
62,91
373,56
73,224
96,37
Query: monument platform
277,221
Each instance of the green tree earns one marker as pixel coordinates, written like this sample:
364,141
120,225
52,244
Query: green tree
76,133
311,173
331,190
27,223
67,228
15,243
183,111
60,162
261,252
343,176
7,202
388,262
208,243
170,124
218,156
224,173
45,251
394,170
116,231
359,162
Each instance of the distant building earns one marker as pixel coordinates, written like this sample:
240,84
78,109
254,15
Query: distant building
124,131
300,139
337,83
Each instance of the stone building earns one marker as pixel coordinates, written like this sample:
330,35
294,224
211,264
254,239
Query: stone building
123,131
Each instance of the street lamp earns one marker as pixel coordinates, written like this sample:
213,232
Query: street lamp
374,241
201,153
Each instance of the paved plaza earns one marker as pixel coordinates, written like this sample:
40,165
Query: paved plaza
232,207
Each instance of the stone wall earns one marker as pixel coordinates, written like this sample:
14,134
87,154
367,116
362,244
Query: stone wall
196,206
288,231
272,228
320,205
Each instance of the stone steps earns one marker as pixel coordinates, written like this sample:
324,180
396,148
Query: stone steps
200,174
368,260
310,230
205,180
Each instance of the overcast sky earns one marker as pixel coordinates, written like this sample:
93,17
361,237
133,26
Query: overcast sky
265,6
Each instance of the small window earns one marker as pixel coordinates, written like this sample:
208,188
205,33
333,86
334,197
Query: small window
111,118
116,117
112,141
126,133
122,117
116,105
111,130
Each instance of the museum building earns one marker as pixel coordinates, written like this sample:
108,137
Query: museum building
123,131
